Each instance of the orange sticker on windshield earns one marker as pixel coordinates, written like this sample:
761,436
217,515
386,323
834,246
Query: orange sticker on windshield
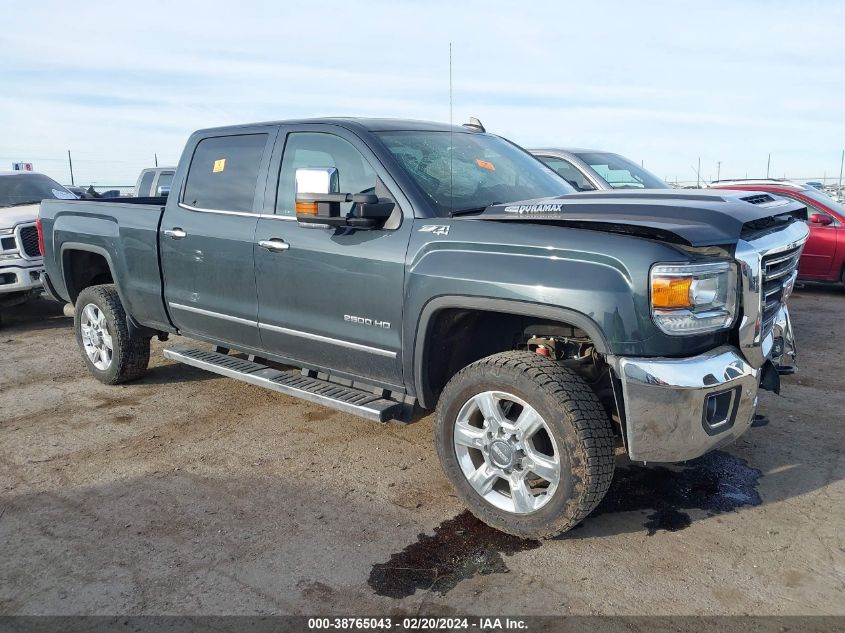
219,165
484,164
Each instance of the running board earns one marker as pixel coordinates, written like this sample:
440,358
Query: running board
329,394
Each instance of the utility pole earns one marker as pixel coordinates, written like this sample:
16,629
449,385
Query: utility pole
841,162
768,164
156,158
70,164
718,169
698,174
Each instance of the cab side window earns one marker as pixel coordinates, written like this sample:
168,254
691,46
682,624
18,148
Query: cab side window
224,172
568,172
318,149
811,209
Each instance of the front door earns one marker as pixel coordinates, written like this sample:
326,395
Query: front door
817,257
332,298
207,236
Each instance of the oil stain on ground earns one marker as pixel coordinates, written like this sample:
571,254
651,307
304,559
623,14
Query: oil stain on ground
459,549
715,483
464,546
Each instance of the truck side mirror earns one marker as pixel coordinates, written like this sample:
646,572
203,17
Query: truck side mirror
315,180
318,202
820,218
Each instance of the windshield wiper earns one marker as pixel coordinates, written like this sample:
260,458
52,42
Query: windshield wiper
471,210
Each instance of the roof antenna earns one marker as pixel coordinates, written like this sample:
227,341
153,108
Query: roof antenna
451,144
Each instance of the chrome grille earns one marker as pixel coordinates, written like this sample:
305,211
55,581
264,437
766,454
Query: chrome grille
776,269
28,240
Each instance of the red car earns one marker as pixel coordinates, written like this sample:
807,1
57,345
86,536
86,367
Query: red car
823,258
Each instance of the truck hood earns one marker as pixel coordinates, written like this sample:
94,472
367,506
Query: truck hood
696,218
12,216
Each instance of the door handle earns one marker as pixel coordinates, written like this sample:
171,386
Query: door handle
176,233
274,244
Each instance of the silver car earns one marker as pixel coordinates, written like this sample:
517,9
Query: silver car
590,169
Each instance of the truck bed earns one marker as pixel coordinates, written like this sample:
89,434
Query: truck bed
122,230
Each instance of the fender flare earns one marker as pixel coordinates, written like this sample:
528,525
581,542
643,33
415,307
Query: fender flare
135,328
502,306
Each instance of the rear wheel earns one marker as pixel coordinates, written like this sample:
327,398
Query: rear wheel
110,353
525,442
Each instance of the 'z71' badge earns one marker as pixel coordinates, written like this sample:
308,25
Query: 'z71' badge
435,229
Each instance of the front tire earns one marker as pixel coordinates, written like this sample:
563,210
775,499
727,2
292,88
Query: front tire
110,353
525,443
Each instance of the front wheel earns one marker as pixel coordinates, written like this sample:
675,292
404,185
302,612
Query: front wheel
525,442
111,354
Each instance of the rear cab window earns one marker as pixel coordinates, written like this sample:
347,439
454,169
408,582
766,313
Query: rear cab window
224,173
164,180
146,183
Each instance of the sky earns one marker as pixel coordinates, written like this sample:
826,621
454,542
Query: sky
662,83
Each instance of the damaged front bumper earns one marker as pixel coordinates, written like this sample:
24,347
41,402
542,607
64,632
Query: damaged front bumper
677,409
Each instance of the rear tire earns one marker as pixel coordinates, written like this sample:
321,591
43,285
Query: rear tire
110,353
546,479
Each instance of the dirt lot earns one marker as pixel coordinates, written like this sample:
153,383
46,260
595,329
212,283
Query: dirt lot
190,493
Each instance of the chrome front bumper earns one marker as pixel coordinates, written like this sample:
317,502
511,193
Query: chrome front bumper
17,278
678,409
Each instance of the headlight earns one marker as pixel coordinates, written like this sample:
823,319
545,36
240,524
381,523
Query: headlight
6,231
693,298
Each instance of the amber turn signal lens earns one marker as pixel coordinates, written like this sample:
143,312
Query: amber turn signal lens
671,292
306,208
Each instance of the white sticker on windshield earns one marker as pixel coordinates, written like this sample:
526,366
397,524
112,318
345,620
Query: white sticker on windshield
63,195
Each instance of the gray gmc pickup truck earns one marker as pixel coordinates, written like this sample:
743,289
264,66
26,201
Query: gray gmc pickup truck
386,267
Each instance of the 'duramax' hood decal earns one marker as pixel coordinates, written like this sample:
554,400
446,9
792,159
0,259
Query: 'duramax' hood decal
696,218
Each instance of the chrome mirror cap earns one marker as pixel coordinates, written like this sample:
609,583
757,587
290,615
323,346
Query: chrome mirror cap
317,180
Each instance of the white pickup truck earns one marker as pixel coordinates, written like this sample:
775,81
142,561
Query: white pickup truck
20,257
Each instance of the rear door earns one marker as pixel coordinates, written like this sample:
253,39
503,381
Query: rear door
332,299
207,236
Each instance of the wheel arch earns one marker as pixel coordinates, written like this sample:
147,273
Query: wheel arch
422,347
75,282
73,279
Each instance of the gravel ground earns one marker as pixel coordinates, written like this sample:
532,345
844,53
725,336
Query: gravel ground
188,493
